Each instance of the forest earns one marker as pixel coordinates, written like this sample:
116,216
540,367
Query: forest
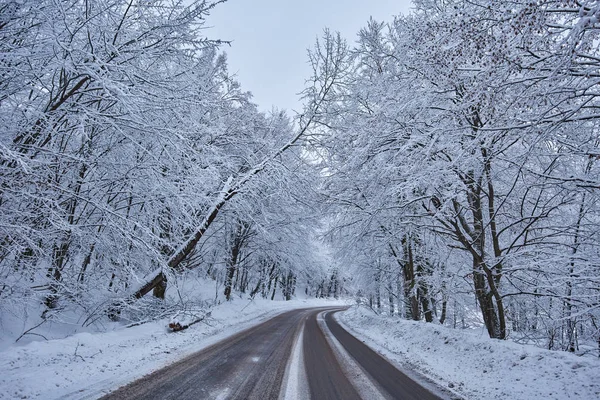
445,168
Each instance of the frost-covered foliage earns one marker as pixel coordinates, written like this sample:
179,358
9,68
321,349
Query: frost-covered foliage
119,125
461,149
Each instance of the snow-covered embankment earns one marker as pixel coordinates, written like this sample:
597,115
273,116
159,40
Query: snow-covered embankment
474,366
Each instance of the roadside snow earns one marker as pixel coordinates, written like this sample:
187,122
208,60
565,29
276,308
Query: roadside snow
473,365
88,365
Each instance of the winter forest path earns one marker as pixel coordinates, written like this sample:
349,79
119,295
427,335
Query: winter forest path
301,354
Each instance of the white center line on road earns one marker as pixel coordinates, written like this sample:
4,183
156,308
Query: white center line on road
367,388
294,386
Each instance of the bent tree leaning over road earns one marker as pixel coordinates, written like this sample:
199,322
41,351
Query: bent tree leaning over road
123,140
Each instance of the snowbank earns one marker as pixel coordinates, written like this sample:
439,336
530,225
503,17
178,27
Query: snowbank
87,365
474,366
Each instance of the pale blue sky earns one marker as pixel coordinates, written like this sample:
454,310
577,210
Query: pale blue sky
270,39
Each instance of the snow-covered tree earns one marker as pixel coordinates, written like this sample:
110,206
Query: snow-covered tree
466,132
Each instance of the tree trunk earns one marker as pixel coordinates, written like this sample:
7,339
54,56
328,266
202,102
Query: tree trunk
486,302
59,257
378,287
160,289
410,292
483,279
232,268
444,309
391,295
425,303
275,287
85,264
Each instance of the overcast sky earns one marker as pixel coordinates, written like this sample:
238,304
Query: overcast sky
270,39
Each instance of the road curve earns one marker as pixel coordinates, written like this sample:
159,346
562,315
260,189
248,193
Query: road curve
252,365
326,379
393,381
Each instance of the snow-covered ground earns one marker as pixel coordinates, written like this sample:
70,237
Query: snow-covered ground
86,365
474,366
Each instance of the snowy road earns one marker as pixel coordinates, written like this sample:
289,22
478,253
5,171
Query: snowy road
301,354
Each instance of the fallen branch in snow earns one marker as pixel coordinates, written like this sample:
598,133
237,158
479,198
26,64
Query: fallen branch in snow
77,355
250,302
138,323
28,332
177,326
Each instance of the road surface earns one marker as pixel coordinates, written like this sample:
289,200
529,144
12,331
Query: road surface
301,354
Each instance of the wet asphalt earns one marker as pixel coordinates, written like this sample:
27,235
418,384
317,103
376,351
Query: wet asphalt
252,365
